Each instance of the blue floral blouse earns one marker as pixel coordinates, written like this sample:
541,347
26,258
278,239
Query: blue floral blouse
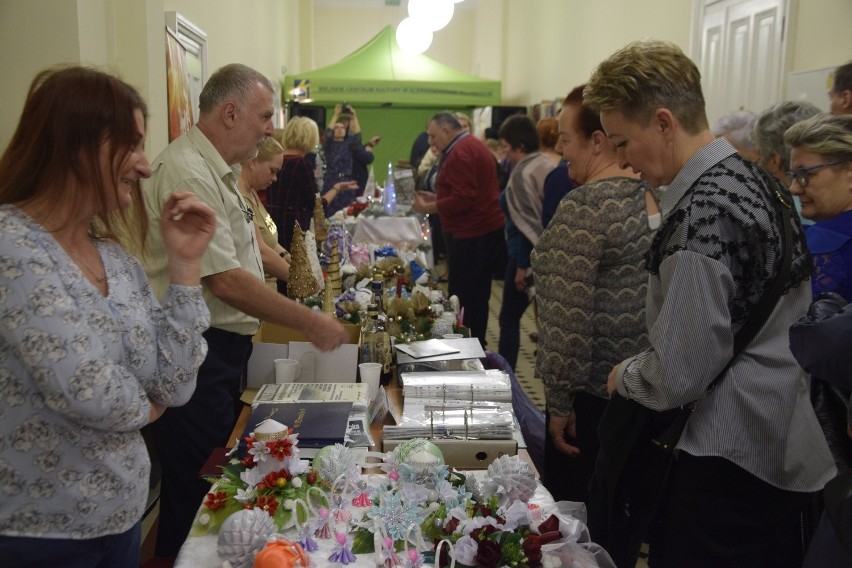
77,373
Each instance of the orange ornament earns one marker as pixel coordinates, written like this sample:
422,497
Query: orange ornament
281,554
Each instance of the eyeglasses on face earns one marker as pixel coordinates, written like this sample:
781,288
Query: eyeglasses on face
803,175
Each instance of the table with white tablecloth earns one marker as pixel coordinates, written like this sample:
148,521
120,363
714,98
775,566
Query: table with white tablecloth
200,551
397,231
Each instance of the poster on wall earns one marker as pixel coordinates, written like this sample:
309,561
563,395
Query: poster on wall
181,114
186,71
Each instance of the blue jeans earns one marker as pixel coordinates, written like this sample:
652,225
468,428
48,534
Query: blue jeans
111,551
514,305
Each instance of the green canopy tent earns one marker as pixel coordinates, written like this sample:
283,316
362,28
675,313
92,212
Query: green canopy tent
393,92
381,73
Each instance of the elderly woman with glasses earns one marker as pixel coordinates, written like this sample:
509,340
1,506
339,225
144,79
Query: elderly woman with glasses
820,176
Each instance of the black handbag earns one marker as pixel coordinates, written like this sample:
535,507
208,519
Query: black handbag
637,444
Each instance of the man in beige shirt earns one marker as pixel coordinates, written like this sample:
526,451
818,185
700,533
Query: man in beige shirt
236,114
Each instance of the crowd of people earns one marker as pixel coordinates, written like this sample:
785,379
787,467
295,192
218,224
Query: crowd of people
653,246
645,239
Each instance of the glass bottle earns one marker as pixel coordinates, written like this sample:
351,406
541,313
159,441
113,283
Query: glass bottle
376,344
378,298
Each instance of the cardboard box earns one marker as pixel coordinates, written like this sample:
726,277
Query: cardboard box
272,333
467,454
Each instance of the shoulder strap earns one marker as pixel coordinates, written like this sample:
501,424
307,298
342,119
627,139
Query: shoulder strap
767,303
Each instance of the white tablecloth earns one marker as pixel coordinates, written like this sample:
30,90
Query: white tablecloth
200,551
398,231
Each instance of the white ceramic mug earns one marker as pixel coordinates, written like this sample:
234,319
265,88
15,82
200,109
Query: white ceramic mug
287,371
370,374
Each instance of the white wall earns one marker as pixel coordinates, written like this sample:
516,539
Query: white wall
538,49
256,32
819,31
34,34
552,46
128,37
339,31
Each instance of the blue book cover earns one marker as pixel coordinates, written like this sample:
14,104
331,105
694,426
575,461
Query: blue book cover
318,424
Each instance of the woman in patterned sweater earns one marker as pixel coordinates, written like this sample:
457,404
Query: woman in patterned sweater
590,277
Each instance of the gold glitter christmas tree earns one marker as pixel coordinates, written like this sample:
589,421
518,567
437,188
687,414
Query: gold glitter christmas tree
320,222
301,283
328,304
333,270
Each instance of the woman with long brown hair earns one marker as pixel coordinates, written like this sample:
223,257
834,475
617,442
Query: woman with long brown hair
88,355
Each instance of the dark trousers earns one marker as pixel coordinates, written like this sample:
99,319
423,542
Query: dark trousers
111,551
184,437
501,258
565,477
439,247
471,262
512,309
718,514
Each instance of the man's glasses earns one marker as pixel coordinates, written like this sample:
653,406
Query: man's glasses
803,175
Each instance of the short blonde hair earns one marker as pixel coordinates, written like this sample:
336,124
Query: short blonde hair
268,148
645,76
301,133
463,119
824,134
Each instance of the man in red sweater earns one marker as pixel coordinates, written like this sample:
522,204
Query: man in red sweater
467,200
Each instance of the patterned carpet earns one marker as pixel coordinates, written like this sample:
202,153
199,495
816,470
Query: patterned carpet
525,371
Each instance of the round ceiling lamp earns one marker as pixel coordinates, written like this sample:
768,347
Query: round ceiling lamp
412,37
435,14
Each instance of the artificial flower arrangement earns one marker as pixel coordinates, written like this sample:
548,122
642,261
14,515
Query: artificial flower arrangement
272,509
356,208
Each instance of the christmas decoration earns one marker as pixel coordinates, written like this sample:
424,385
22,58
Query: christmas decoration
333,270
420,511
328,306
302,282
319,221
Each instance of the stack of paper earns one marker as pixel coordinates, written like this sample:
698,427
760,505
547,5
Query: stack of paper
471,386
455,404
427,348
481,422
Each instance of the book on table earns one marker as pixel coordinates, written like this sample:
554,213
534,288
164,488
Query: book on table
356,393
318,424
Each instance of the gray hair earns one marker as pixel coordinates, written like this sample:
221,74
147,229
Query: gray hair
446,119
738,127
824,134
231,82
773,122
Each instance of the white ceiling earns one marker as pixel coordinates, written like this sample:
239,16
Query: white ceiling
379,3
